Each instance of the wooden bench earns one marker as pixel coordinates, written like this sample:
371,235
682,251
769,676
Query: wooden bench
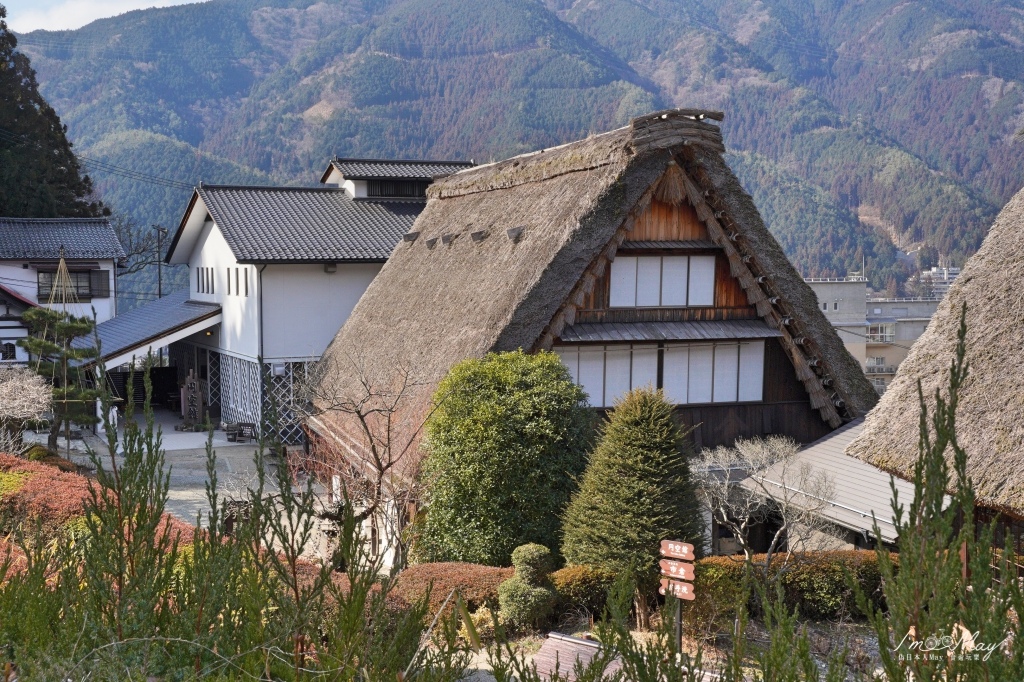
562,651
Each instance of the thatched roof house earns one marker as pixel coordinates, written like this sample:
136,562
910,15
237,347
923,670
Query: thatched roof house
990,416
521,254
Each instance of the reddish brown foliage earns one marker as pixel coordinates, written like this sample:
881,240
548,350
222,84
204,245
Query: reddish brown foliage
48,495
476,583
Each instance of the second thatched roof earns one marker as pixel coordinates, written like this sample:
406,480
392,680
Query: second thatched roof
990,417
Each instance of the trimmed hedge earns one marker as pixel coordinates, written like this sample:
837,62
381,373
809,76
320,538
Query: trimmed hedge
814,584
477,584
583,587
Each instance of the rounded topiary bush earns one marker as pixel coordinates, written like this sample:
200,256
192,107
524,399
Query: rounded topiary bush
583,587
533,563
523,605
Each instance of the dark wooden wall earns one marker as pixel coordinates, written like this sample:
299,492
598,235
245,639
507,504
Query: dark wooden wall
786,410
665,222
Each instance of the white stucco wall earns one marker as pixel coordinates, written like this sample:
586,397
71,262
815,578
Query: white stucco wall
25,280
238,332
304,306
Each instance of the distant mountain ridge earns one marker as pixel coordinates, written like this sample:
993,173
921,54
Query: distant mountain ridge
858,127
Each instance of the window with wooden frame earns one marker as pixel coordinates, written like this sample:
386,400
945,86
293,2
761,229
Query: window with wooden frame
689,373
85,284
662,282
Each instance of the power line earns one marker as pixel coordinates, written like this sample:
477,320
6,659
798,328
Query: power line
104,166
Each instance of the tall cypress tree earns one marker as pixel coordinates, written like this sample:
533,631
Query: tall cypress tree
40,177
636,492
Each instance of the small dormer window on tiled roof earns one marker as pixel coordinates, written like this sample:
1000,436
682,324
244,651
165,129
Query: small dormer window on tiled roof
399,189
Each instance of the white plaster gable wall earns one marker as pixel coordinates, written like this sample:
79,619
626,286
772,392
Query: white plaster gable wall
238,332
304,307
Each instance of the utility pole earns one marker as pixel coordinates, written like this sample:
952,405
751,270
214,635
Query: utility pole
160,233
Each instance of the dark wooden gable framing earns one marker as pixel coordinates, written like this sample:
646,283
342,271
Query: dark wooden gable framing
685,182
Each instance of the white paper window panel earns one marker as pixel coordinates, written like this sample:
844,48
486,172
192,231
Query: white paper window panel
674,271
675,375
702,280
751,371
616,374
623,282
648,282
570,357
645,367
592,374
727,371
700,372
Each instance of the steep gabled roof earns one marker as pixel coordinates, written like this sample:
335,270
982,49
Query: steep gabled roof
504,253
385,169
82,238
990,414
299,224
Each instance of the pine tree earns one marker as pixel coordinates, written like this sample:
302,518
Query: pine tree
59,360
636,492
40,176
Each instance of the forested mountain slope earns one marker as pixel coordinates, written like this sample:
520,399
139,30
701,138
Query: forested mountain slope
858,127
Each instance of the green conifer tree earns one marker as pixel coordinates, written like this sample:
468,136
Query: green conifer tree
636,492
54,354
40,176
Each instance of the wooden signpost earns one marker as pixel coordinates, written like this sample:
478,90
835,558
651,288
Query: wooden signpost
676,568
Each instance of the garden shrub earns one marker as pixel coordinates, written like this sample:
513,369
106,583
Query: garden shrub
533,563
483,620
814,584
527,598
506,441
36,493
523,605
583,587
477,584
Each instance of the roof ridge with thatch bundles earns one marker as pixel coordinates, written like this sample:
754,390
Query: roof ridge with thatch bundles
990,413
503,254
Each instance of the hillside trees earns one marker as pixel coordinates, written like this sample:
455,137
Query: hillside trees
636,492
40,176
507,438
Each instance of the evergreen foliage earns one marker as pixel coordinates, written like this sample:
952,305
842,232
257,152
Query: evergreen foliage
40,176
527,598
129,596
955,595
506,440
54,355
636,492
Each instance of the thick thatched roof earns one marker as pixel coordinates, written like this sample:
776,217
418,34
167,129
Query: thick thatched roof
504,253
990,416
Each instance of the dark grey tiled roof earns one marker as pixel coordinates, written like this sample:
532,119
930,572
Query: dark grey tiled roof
267,224
136,328
377,169
667,331
43,237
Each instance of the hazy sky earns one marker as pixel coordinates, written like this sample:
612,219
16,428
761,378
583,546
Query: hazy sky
28,15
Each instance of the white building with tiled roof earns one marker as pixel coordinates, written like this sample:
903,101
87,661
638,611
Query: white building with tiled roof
30,250
273,274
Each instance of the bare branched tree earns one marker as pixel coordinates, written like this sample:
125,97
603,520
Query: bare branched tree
759,483
139,244
372,460
24,395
